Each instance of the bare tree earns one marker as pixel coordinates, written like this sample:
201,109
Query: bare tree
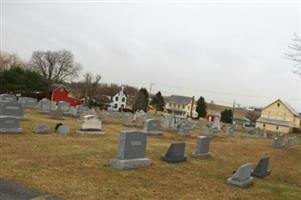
55,66
91,85
295,53
8,61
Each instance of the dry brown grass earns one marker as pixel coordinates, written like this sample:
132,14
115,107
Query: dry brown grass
76,167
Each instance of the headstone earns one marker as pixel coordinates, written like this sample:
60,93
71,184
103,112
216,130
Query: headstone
91,125
169,122
208,131
230,130
63,129
262,168
250,130
12,109
81,110
242,177
9,125
44,106
184,129
202,149
152,127
63,106
41,129
128,120
56,114
278,141
292,141
175,153
28,102
131,151
217,122
138,119
8,97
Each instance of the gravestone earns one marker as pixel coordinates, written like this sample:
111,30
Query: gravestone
63,106
208,131
217,122
152,127
278,141
81,110
91,125
202,149
262,168
242,177
138,119
71,112
230,130
12,109
9,124
63,129
175,153
131,151
56,114
8,97
292,141
169,122
184,129
28,102
44,106
41,129
250,130
128,120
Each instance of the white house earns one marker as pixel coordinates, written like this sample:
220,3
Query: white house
180,106
118,101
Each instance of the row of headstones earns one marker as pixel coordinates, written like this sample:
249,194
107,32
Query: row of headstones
11,112
132,148
135,120
280,141
57,110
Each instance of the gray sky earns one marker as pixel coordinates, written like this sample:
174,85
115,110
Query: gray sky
223,51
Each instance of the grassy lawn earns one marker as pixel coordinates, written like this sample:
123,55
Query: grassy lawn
76,167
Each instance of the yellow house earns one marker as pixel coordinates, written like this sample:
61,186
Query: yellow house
278,116
180,106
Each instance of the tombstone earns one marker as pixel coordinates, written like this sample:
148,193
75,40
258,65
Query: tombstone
278,141
28,102
169,122
63,106
9,124
41,129
81,110
208,131
53,105
292,141
44,106
242,177
131,151
91,125
175,153
63,129
152,127
71,112
128,120
250,130
12,109
217,122
202,149
8,97
184,129
56,114
138,119
229,131
262,168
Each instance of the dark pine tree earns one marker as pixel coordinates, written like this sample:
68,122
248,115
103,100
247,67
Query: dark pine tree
158,102
227,116
201,107
141,100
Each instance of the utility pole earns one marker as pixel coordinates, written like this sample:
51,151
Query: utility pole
150,88
233,110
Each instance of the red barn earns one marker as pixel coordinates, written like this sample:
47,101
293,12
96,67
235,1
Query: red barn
60,93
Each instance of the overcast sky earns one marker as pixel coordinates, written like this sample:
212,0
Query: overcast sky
224,51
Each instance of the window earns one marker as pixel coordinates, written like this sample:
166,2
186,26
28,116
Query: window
263,125
116,98
278,104
115,105
183,106
123,99
277,127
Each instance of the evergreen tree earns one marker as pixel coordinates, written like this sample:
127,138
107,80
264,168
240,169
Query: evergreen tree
24,81
141,100
227,116
201,107
158,102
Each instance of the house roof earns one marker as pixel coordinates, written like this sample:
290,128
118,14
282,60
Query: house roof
289,107
275,122
179,99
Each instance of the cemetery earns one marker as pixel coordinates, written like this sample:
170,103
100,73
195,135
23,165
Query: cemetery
68,159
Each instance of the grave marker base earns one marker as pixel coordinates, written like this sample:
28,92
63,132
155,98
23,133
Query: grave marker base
201,156
13,130
130,164
241,184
